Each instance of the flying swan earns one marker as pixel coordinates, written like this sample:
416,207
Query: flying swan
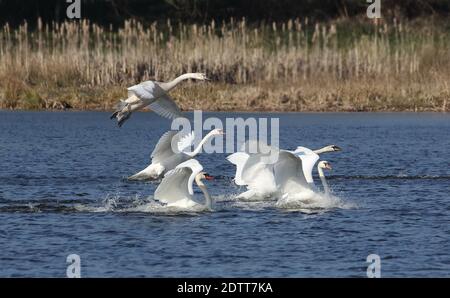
152,94
171,150
175,189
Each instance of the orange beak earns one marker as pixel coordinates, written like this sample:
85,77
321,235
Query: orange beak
208,177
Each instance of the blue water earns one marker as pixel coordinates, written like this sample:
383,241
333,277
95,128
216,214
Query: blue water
62,191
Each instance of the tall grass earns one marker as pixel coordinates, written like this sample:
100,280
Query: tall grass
270,66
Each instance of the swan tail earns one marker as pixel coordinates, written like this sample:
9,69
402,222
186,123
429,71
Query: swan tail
122,113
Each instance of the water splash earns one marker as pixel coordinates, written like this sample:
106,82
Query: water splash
310,202
115,203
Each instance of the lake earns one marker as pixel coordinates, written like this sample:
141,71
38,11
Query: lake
63,191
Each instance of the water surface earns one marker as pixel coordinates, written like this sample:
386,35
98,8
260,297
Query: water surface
62,191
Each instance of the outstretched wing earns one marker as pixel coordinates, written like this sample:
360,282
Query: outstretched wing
309,159
146,91
196,168
156,98
166,107
257,170
238,159
260,178
163,149
289,173
185,142
177,183
170,143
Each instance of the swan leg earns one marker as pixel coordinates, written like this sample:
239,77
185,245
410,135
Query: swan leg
122,112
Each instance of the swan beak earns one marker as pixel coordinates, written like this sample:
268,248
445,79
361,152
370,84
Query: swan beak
208,177
337,148
328,166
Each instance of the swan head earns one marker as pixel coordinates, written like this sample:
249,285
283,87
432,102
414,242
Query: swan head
332,148
325,165
199,76
203,175
206,176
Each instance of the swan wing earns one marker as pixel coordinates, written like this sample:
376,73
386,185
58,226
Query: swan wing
309,159
195,167
156,98
176,186
257,147
185,142
261,179
173,187
304,150
251,167
258,174
163,149
258,167
289,173
239,159
166,107
146,91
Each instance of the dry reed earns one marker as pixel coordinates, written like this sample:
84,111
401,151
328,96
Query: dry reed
291,66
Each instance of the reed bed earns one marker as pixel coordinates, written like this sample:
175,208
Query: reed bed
290,66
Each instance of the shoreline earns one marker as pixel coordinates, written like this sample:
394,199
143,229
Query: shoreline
292,66
239,111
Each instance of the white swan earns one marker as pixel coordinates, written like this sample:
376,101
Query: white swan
176,189
266,180
153,94
310,157
171,150
296,191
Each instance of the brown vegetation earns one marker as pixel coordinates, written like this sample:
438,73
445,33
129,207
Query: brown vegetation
291,66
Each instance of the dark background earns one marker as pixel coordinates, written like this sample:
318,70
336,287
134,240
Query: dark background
115,11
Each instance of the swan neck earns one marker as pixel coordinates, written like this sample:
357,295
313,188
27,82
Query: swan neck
322,150
200,145
201,185
326,188
172,84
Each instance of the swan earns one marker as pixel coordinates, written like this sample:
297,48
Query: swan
294,187
153,94
266,180
310,157
175,189
291,179
165,158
